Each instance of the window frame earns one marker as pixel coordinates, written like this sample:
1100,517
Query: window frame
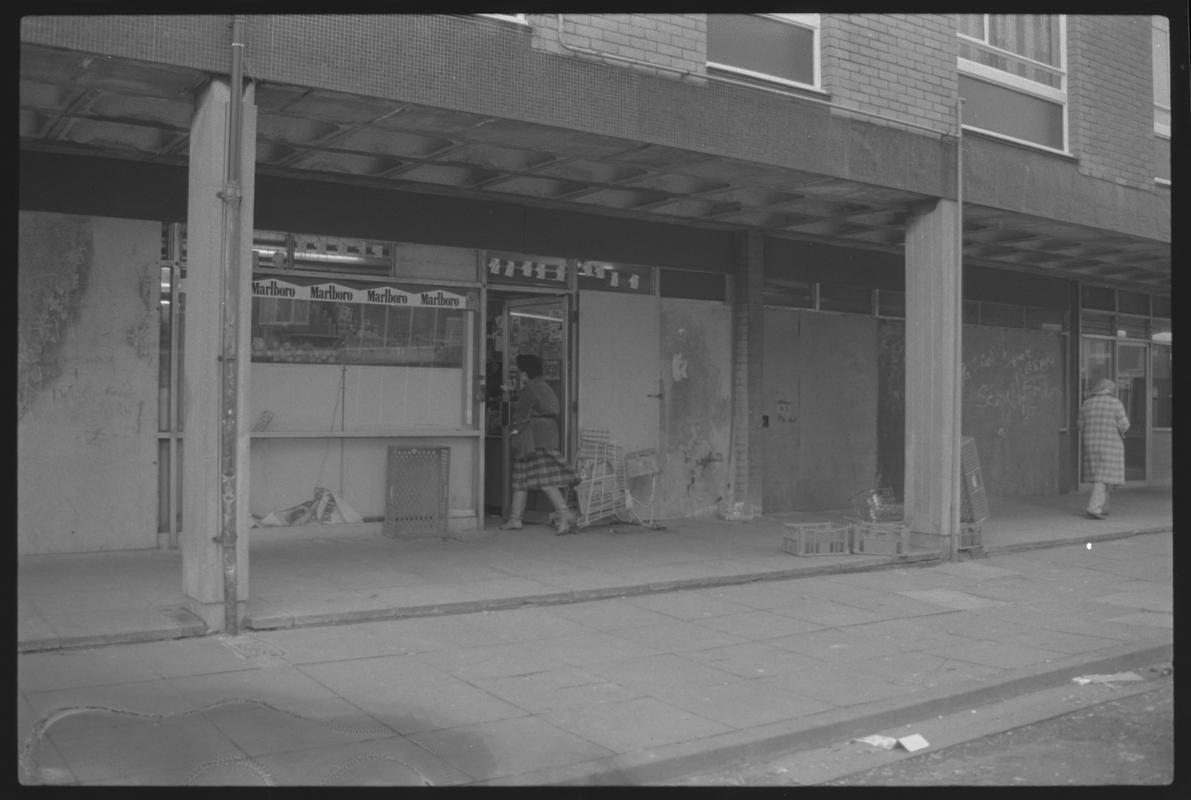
519,19
812,22
1161,26
1017,83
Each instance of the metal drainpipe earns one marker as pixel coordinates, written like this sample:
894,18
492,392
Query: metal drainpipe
229,350
957,439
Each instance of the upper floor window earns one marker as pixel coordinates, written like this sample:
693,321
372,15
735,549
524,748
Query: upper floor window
1161,28
508,17
775,47
1012,76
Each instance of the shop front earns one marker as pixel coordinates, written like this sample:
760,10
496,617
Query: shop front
358,347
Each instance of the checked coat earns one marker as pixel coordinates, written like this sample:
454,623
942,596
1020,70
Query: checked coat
1103,423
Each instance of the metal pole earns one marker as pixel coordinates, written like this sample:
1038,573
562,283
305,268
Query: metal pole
229,349
957,437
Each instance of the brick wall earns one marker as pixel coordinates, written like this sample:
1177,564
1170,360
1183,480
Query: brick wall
898,65
677,43
1110,98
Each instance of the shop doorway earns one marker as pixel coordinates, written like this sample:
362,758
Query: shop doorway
519,324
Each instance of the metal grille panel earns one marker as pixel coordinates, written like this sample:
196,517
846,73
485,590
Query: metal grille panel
416,491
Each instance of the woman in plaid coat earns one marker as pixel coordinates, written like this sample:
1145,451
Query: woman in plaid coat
542,466
1102,423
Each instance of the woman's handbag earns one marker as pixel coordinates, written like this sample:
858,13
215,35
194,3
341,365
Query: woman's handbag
521,439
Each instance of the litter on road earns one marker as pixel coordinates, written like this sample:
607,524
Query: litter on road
1108,680
913,743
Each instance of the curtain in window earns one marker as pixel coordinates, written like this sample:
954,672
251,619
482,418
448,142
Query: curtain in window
1034,36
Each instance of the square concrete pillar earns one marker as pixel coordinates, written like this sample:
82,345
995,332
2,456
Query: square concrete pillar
748,356
206,237
934,319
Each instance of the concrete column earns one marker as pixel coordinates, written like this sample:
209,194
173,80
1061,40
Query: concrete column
202,562
748,326
933,327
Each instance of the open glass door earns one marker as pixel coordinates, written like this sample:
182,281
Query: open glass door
1132,358
538,326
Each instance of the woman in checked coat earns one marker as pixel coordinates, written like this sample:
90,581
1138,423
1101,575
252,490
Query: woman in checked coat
543,467
1102,424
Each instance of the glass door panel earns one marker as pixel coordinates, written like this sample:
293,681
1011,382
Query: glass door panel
1131,390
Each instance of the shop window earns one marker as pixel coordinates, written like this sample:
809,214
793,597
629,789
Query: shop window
1013,77
841,297
1133,303
1162,387
1161,306
1097,297
375,325
1004,315
1161,40
692,285
971,312
782,48
788,293
1046,319
1133,327
1097,323
891,304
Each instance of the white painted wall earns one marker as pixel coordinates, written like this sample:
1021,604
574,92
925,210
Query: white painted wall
87,443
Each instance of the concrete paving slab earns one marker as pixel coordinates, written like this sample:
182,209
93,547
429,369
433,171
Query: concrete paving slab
759,625
1143,601
545,692
287,688
592,648
611,614
753,660
102,707
65,669
360,676
394,761
998,653
1146,619
973,570
949,598
743,705
828,613
842,645
835,685
492,661
114,622
634,725
927,670
648,673
169,743
1069,643
526,624
410,708
690,605
678,636
258,730
509,747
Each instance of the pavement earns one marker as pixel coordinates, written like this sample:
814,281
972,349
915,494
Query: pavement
622,655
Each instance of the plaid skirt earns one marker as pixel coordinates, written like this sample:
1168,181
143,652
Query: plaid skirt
542,469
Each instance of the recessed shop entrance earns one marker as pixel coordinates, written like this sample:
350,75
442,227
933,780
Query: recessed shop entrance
520,323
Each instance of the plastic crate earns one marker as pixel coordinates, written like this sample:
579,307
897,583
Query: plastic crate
817,539
970,537
880,538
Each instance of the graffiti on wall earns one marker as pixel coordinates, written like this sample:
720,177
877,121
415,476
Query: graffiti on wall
53,272
696,410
